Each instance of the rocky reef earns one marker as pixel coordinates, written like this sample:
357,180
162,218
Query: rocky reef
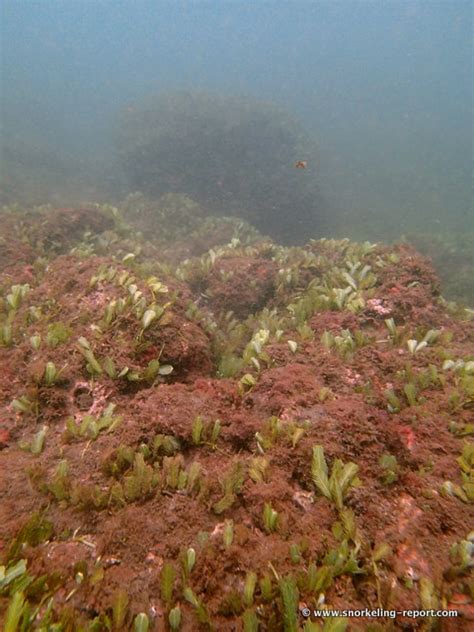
204,429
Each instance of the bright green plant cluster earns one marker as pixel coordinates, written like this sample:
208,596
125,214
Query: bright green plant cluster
196,271
275,430
135,300
31,599
414,345
136,474
462,557
390,468
95,368
205,433
346,343
231,485
465,491
90,428
36,445
57,334
326,275
24,405
462,395
50,375
334,487
9,306
413,383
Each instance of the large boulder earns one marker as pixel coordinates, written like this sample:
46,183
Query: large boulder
234,156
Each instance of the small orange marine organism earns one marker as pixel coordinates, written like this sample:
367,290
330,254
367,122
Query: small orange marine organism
301,164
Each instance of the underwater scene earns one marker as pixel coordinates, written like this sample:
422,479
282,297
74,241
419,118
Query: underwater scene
236,316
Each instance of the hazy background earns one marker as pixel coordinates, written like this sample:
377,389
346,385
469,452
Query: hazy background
385,87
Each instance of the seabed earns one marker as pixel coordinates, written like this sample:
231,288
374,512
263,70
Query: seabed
202,429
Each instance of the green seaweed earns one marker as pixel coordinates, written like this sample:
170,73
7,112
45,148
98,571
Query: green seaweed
289,596
141,623
231,486
174,618
119,608
167,580
390,467
270,518
343,476
57,334
90,428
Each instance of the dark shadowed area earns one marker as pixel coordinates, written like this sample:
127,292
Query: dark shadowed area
384,89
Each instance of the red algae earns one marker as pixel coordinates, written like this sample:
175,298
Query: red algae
195,457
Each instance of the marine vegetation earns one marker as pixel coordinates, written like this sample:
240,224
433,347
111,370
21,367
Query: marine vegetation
203,429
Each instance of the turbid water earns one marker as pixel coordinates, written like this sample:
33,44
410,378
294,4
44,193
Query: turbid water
236,316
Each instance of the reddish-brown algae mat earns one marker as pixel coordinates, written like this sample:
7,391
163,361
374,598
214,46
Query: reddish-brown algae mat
223,433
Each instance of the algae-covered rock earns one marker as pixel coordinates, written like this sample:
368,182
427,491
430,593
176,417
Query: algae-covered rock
254,425
171,216
452,255
234,156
